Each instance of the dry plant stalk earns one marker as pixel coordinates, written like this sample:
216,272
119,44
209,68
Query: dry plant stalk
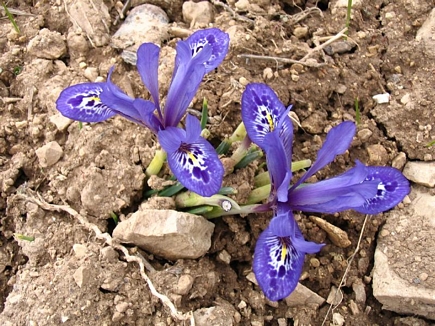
304,61
36,198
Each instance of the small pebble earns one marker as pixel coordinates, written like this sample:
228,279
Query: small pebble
267,73
337,319
399,161
224,257
423,276
251,278
80,250
364,134
314,262
185,283
353,307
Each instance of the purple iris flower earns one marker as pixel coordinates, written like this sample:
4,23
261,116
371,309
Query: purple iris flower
200,53
192,156
280,249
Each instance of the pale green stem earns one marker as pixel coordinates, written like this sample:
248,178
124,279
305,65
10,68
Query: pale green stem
241,151
263,178
245,209
259,194
238,134
190,199
156,163
24,237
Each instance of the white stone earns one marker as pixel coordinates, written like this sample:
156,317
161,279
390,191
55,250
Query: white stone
303,296
381,98
80,250
60,121
167,233
422,173
49,154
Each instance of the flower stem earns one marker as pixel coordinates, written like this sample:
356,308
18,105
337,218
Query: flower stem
238,135
245,209
190,199
156,163
263,178
259,194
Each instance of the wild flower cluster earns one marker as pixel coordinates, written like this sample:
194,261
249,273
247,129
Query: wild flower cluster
281,248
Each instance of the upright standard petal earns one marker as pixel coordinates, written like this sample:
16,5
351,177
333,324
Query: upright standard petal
217,39
337,142
185,83
278,166
82,102
278,259
148,66
391,186
262,112
193,161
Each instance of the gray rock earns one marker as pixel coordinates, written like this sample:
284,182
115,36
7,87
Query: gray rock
198,14
49,154
425,33
303,296
47,45
145,23
422,173
360,291
220,315
167,233
91,17
405,255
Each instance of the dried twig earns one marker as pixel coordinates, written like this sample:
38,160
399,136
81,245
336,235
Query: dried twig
279,59
121,14
296,18
36,198
304,61
232,12
336,37
332,307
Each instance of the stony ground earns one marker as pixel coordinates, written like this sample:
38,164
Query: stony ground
72,274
